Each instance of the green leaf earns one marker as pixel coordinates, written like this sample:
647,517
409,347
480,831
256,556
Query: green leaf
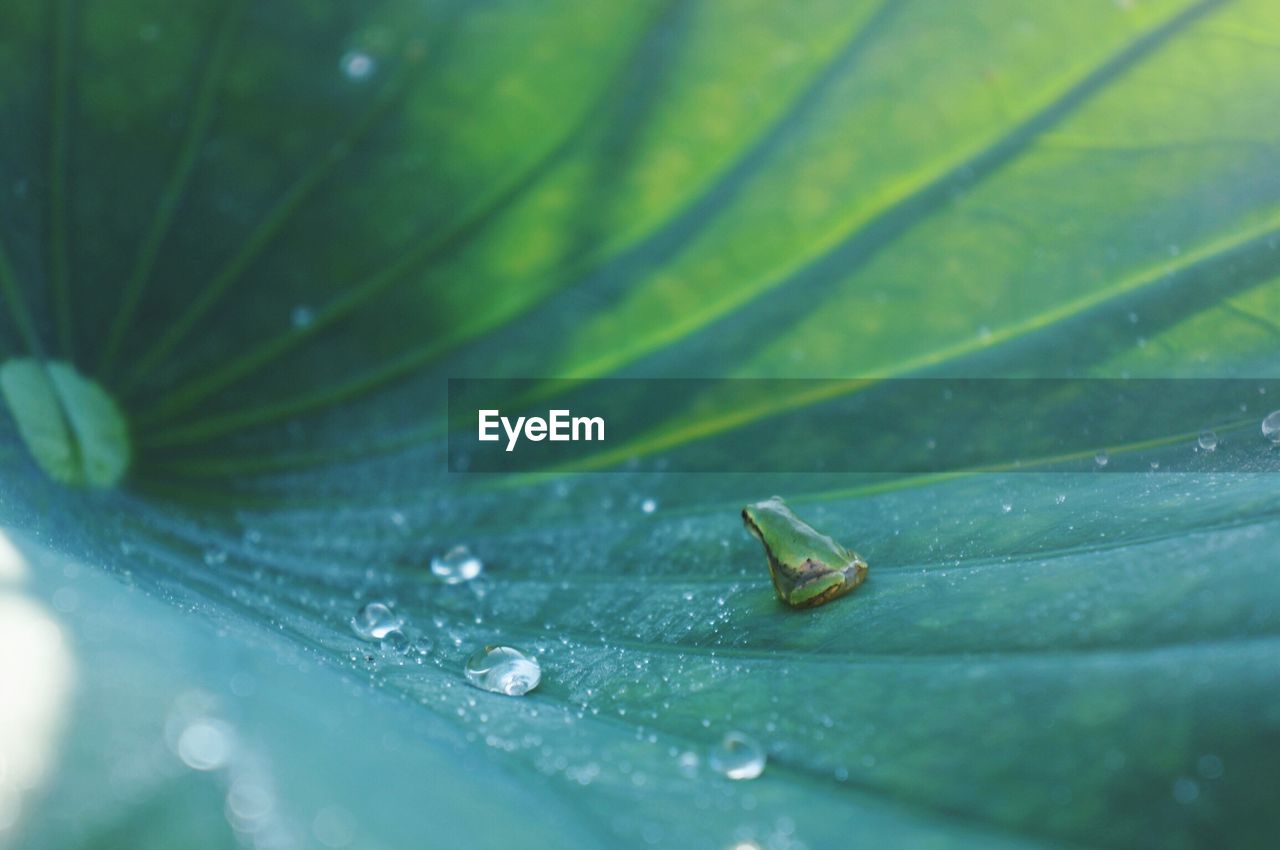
244,245
73,429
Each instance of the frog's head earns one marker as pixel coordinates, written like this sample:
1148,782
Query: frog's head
764,519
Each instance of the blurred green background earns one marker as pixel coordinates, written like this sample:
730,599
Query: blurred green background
270,232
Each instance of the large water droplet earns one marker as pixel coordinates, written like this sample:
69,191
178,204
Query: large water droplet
456,566
1102,458
1271,427
737,757
1208,441
374,621
503,670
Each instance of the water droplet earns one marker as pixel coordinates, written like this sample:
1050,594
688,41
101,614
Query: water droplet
503,670
1208,440
737,757
215,556
1102,458
687,763
1060,499
1155,464
1006,508
396,642
648,506
302,316
1271,427
374,621
357,64
456,566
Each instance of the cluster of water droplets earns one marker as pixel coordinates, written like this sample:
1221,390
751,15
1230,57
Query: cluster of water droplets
500,669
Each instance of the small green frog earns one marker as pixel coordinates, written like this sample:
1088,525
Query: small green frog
807,568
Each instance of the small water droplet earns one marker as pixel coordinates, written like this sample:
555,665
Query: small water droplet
357,64
302,316
215,556
1208,440
687,762
1271,427
396,642
374,621
1006,508
1155,464
737,757
456,566
503,670
1102,458
1060,499
648,506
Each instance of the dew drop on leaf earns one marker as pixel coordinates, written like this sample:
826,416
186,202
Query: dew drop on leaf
503,670
374,621
396,642
456,566
737,757
1271,427
1208,441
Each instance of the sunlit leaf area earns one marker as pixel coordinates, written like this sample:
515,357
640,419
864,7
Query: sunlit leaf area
246,602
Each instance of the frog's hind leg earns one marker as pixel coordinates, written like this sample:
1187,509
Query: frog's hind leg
818,590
